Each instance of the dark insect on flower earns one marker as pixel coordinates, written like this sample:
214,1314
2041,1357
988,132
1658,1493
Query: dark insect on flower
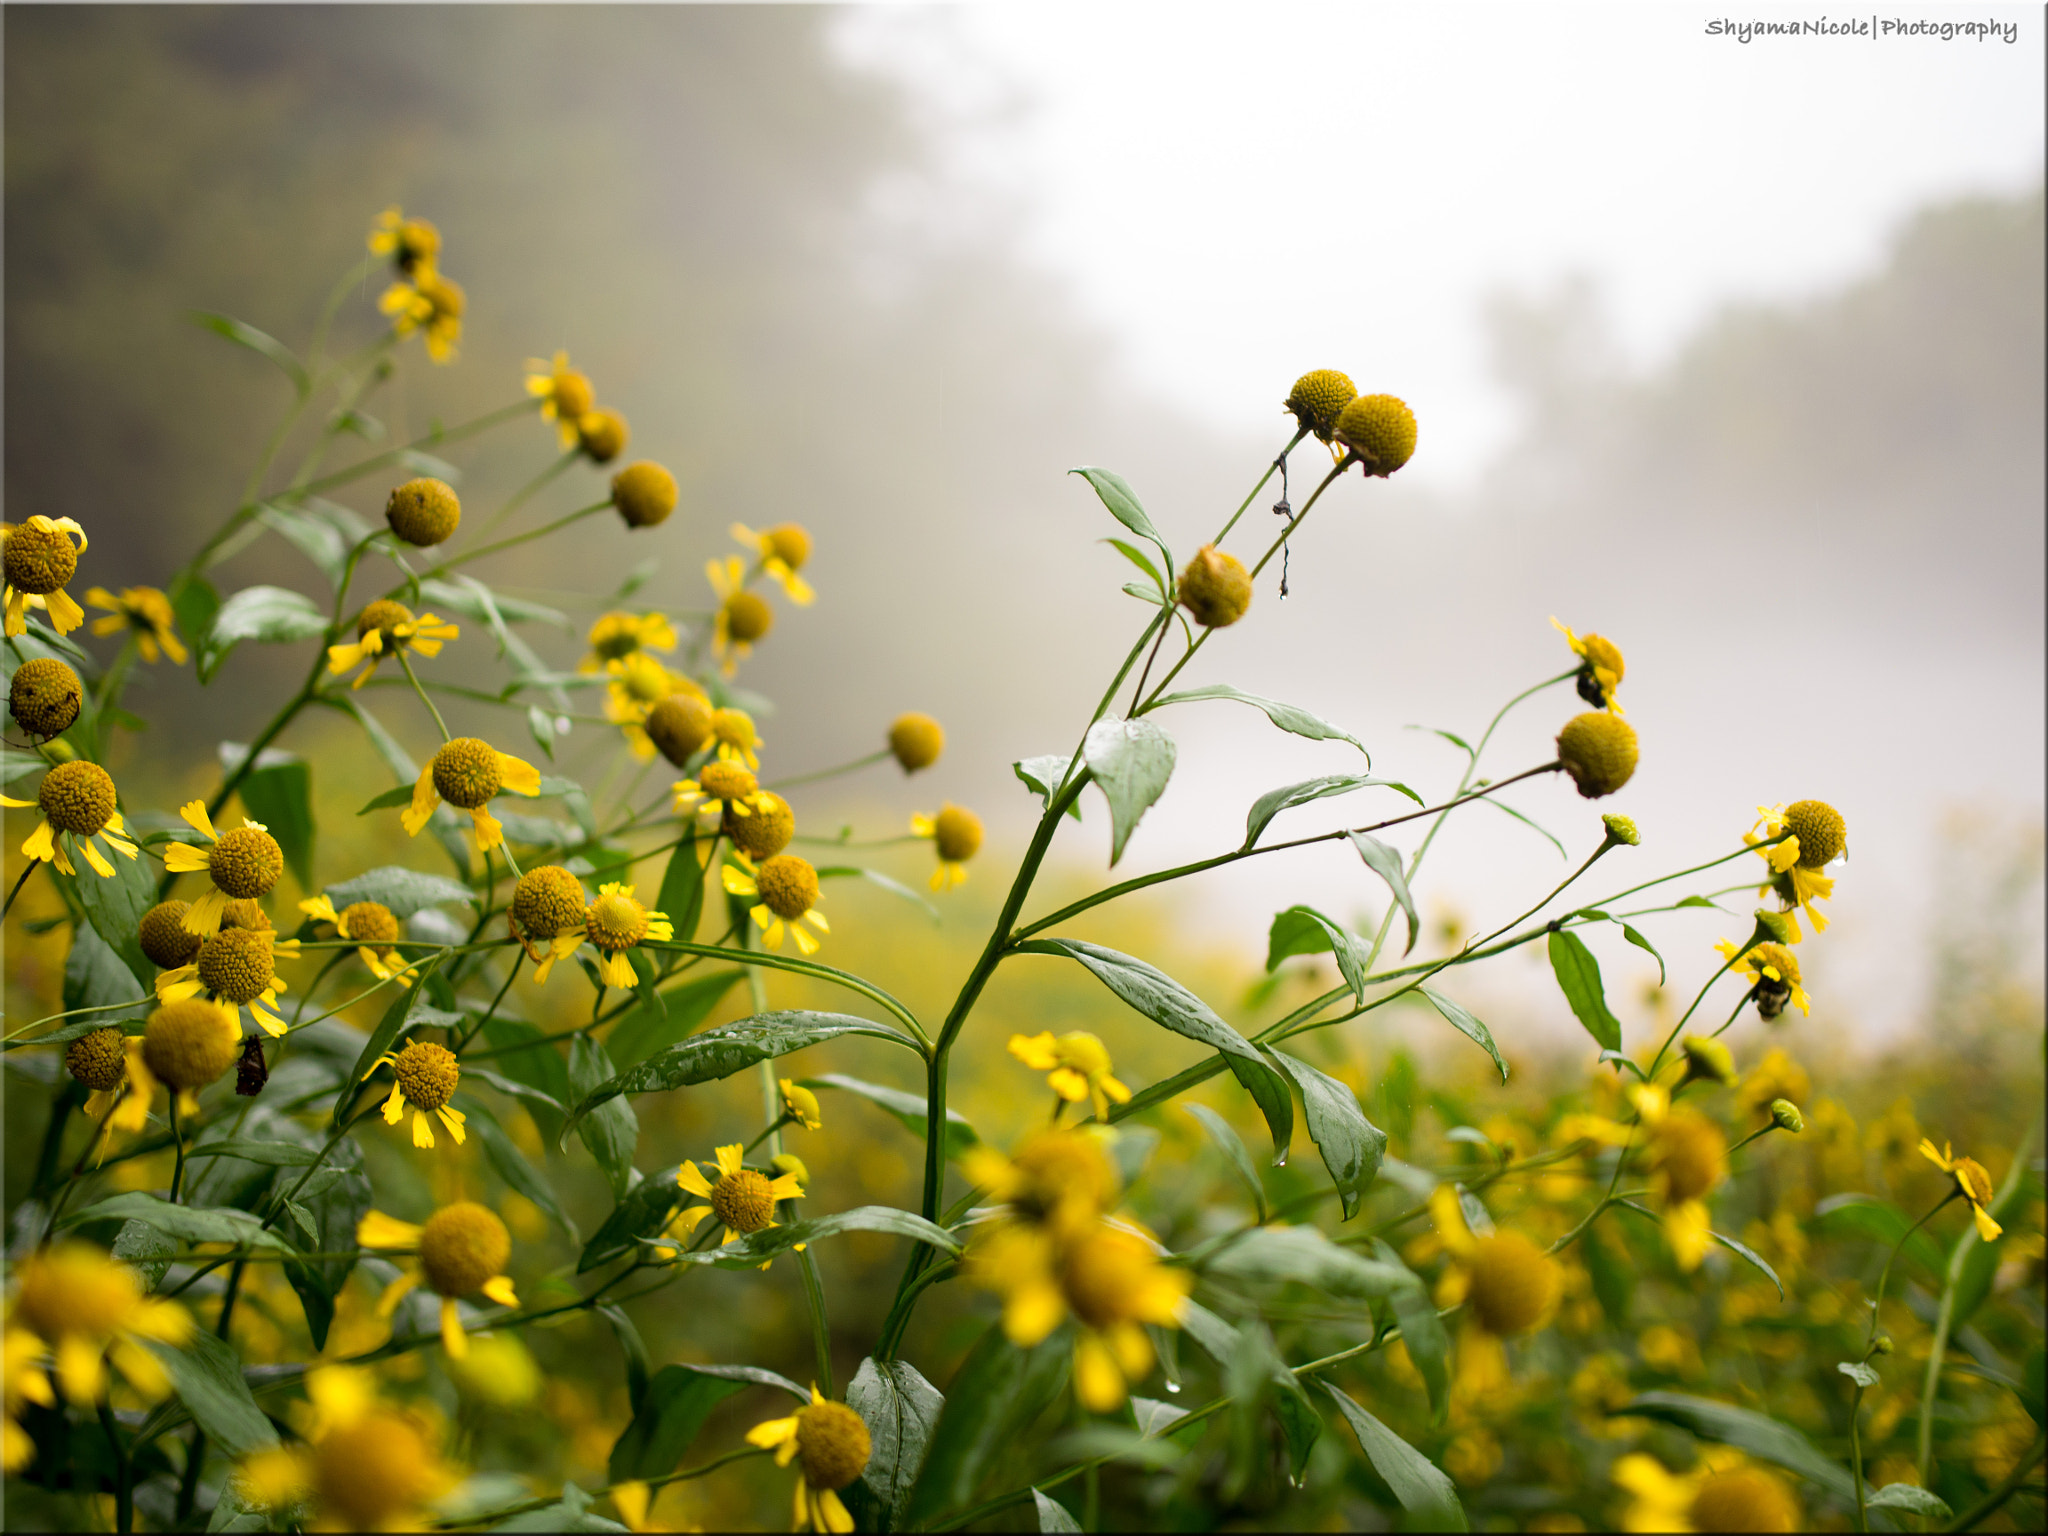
251,1072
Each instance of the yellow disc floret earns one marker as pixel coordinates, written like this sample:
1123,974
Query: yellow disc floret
1823,834
1515,1284
245,863
1745,1499
603,434
956,833
77,797
764,832
916,741
788,885
38,557
727,782
548,900
790,543
462,1246
616,921
466,772
98,1060
742,1201
236,964
644,493
1380,432
190,1043
1689,1156
163,935
832,1443
1215,588
370,922
44,697
383,616
748,617
1318,399
374,1471
423,511
1599,751
426,1073
680,725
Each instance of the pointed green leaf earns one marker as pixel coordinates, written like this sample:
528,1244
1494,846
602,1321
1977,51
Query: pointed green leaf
1760,1435
1233,1149
1043,777
1273,802
259,342
997,1392
207,1374
900,1409
1352,1146
1418,1483
1122,502
1297,721
1423,1332
1578,976
644,1031
908,1108
280,795
610,1129
1305,931
1131,761
1468,1025
115,907
1386,863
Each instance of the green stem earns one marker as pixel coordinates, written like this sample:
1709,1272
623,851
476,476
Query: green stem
453,434
413,678
124,1492
1278,459
178,1148
821,1332
18,884
1856,1456
1993,1501
891,1336
538,483
810,968
828,773
509,542
490,1012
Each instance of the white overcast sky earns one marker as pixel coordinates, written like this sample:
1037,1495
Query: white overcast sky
1236,193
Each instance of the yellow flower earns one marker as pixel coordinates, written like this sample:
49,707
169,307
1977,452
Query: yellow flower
830,1441
235,967
565,394
369,921
146,611
788,890
461,1249
1774,971
1725,1492
800,1105
1509,1286
385,628
1603,668
635,1504
721,788
782,553
1818,836
243,863
110,1064
956,835
1077,1064
410,243
1688,1160
743,617
87,1308
38,559
467,772
615,636
1060,1179
1777,1076
615,923
425,1076
1972,1183
187,1044
916,740
733,730
547,908
639,682
78,803
21,1365
742,1199
430,303
364,1466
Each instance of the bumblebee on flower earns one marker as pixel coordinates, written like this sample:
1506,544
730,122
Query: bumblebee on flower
410,243
1603,667
385,628
1772,971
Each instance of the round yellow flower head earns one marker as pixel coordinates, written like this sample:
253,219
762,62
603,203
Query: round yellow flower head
603,433
245,912
423,512
427,1075
369,921
790,543
498,1371
788,885
410,243
1823,834
748,616
1215,588
766,831
44,697
1104,1272
462,1246
1380,432
190,1043
789,1164
1745,1499
98,1060
1708,1060
245,863
728,783
164,937
615,921
466,772
801,1106
1786,1117
679,726
737,738
77,797
644,493
38,557
548,900
956,833
832,1444
742,1201
1689,1155
1318,399
236,964
1621,829
375,1470
1515,1284
73,1288
916,741
1599,751
384,616
1058,1172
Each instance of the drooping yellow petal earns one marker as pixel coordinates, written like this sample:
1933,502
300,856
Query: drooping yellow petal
422,1131
184,859
1097,1382
453,1339
453,1119
521,777
396,1291
691,1178
377,1230
499,1289
424,799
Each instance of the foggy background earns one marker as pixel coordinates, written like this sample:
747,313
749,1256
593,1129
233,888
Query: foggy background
1734,355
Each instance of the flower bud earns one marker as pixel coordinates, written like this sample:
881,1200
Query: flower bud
1786,1117
1215,588
1621,829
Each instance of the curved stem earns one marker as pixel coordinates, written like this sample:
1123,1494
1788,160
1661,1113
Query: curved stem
1279,458
809,968
18,884
829,773
453,434
532,487
508,542
412,677
821,1331
178,1147
1993,1501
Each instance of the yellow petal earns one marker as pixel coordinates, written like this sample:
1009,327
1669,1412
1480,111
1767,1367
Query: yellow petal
692,1179
452,1118
424,798
522,778
376,1230
184,859
65,615
1097,1382
453,1339
490,832
394,1107
79,1371
499,1289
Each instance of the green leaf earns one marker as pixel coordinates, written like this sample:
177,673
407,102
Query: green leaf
115,907
277,1154
194,602
273,615
643,1212
729,1048
1418,1483
571,1512
1273,802
1423,1332
1297,721
1868,1217
320,530
147,1250
1696,901
1914,1500
259,342
1043,777
1233,1149
1758,1434
1122,502
1131,761
192,1224
682,887
207,1374
646,1030
514,1168
1167,1003
1859,1373
280,795
900,1409
382,1037
335,1199
1613,1278
994,1396
1138,558
678,1400
1305,931
1217,1338
908,1108
1276,1255
1578,976
634,1348
1454,739
404,891
1466,1024
95,977
1385,862
609,1128
756,1246
473,603
391,799
1052,1515
1755,1258
1509,810
539,1068
877,878
1642,943
1352,1146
